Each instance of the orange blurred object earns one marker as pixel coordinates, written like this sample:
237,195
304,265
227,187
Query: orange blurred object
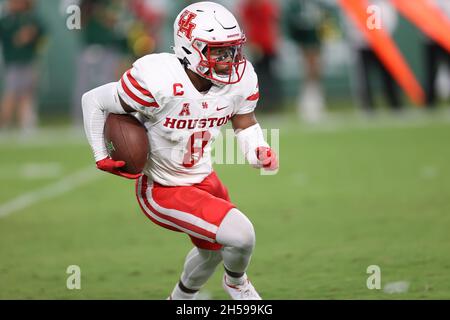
385,48
428,18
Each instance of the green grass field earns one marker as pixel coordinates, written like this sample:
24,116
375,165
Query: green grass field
350,193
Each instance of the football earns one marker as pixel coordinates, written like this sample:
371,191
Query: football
126,139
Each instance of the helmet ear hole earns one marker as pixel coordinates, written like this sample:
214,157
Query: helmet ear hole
186,50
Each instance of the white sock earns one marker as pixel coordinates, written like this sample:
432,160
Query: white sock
199,266
235,281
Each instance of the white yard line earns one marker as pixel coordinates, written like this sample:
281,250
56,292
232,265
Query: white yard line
53,190
41,170
336,122
45,137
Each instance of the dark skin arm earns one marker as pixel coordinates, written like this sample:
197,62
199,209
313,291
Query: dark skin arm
126,107
243,121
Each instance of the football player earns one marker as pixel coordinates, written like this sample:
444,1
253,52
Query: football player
184,99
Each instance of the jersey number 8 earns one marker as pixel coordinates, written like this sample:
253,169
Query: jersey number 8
195,147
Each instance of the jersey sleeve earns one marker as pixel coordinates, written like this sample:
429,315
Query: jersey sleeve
132,90
250,92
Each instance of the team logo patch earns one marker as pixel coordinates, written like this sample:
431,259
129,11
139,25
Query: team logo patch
218,109
185,111
185,24
205,105
110,147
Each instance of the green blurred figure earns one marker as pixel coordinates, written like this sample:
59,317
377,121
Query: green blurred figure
104,45
21,33
368,63
304,20
436,56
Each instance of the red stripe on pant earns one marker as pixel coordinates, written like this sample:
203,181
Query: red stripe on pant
177,222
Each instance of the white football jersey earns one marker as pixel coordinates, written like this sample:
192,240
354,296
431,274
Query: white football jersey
182,123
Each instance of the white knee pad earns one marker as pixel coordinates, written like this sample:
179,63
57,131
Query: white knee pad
236,231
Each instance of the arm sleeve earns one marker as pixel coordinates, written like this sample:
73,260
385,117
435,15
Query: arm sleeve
248,140
133,91
96,104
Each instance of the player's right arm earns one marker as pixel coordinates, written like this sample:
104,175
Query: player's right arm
126,95
248,132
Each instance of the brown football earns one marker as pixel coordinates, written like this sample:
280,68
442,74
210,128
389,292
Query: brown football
126,139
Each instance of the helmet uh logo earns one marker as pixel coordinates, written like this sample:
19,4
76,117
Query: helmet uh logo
185,25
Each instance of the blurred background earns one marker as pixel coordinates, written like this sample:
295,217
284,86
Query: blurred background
309,55
364,133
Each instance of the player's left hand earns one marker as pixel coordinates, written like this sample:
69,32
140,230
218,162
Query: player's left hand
268,158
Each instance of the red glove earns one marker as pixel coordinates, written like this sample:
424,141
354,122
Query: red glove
112,166
268,158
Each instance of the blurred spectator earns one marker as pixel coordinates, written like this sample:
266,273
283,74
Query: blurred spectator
434,55
21,34
144,35
304,19
260,20
368,61
103,47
